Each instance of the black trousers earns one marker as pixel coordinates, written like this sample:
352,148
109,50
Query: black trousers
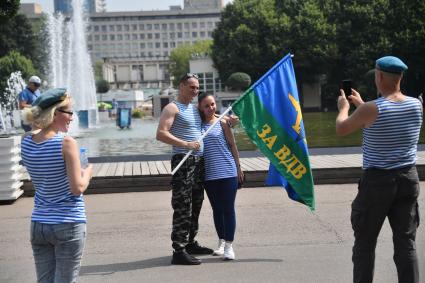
381,194
187,197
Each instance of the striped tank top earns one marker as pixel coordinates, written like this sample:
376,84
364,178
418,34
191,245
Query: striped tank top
391,141
187,126
53,201
219,161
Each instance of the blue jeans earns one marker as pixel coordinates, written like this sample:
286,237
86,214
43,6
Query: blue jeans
222,195
57,250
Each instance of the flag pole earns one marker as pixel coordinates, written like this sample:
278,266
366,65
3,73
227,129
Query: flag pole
200,139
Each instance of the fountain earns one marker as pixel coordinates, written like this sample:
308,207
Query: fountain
10,169
69,62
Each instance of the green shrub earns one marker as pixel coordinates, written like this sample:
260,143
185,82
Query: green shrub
137,113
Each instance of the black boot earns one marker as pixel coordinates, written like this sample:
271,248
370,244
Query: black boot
183,258
196,249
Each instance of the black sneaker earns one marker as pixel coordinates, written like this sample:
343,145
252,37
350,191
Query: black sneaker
196,249
183,258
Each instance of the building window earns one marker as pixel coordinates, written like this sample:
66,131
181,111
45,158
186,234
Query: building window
119,36
194,25
112,37
133,27
210,34
186,25
172,35
202,24
119,27
172,44
165,53
164,26
164,35
89,37
179,26
111,28
134,36
194,34
142,45
186,34
156,26
165,44
171,26
150,45
157,35
126,27
104,28
104,37
149,26
96,28
141,26
96,37
179,35
149,36
126,37
142,36
157,44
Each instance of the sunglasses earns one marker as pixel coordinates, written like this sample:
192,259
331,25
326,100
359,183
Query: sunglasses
36,84
188,76
67,112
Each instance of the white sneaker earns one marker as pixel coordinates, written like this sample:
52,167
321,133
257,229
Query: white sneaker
229,254
220,250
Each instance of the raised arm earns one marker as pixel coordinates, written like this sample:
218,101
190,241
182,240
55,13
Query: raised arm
78,178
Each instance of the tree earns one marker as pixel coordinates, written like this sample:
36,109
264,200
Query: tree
8,9
407,34
239,81
180,56
102,86
13,62
17,34
253,35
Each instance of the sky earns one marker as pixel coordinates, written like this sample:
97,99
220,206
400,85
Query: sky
122,5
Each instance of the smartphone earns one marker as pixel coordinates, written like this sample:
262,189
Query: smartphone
346,85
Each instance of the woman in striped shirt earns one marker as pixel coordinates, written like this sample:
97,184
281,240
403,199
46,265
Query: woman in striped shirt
222,174
58,221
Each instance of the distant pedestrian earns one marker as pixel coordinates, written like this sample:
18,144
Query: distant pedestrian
28,95
223,173
58,221
114,108
389,186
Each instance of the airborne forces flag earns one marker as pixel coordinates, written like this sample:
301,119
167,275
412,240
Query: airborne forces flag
271,115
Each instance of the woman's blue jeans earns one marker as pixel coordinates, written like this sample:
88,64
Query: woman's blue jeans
57,250
222,195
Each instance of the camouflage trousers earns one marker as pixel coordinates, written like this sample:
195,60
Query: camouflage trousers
186,200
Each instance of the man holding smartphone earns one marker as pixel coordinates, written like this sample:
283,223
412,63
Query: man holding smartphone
389,185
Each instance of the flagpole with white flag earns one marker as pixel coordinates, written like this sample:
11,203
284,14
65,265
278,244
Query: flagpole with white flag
200,139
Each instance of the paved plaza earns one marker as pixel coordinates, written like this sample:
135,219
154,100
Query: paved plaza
277,240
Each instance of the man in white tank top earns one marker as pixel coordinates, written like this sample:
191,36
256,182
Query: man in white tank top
389,185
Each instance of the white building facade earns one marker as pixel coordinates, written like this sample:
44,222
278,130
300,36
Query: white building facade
135,46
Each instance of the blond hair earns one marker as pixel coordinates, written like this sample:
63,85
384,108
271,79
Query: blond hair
43,118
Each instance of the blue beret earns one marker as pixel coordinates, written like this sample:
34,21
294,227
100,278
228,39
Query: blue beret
391,64
50,98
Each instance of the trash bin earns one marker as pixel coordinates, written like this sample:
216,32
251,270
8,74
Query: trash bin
83,119
124,117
